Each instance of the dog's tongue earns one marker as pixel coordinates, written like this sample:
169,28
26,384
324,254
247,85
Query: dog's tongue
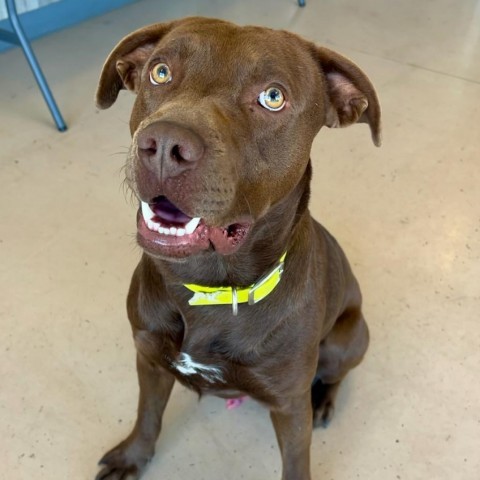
167,211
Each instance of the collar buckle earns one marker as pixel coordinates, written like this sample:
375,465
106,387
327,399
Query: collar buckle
277,269
234,301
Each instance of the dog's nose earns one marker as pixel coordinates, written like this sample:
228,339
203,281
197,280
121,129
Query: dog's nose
169,148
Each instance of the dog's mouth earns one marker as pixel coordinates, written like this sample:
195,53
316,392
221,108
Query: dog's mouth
165,230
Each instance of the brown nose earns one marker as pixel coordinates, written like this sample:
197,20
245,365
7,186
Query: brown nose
169,149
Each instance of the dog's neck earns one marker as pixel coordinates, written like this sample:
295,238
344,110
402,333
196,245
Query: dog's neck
270,237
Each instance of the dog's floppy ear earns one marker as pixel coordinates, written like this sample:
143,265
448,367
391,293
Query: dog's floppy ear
123,67
351,96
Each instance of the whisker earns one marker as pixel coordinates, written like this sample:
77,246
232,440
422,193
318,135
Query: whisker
129,194
116,153
122,152
134,246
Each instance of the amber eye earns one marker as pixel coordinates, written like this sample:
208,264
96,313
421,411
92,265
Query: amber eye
272,99
160,74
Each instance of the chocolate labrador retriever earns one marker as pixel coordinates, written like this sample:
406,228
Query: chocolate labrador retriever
239,291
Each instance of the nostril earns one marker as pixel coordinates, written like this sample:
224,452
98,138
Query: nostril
186,151
171,146
148,146
175,153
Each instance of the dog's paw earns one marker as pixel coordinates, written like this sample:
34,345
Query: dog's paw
124,462
323,415
323,403
117,473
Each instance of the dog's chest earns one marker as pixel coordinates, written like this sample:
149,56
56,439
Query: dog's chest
187,366
199,356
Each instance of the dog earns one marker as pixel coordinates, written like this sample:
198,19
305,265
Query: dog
239,290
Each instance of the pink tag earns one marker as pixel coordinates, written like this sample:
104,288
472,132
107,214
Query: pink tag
233,403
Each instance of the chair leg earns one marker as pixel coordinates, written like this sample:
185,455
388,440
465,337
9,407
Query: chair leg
34,65
301,3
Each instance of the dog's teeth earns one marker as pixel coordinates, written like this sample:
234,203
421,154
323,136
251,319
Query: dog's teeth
147,212
152,226
192,225
149,215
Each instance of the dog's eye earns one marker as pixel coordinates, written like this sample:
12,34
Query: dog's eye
272,99
160,74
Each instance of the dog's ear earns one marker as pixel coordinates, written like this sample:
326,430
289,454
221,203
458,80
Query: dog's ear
124,65
351,97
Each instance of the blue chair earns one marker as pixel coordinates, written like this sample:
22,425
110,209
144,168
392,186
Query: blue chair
18,37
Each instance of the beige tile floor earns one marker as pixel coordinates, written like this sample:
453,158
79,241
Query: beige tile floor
407,214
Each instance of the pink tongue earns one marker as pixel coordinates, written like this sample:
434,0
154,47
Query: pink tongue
166,210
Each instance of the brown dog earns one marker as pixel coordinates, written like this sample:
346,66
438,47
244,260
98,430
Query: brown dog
239,291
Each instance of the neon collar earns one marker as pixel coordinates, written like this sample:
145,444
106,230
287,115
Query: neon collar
233,295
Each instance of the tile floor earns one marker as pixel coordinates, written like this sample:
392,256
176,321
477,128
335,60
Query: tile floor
408,215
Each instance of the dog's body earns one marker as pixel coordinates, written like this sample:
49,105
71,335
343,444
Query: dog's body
222,129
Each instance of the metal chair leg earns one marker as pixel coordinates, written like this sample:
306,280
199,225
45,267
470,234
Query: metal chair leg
34,65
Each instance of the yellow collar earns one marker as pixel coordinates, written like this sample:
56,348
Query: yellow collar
233,295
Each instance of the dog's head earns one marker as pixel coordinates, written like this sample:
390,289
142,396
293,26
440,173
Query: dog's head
223,124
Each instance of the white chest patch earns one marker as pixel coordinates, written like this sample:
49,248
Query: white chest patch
187,366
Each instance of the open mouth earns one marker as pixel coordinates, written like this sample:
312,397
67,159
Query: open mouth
165,230
163,217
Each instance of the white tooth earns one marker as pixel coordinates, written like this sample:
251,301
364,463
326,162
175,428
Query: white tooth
152,225
147,212
173,230
192,225
180,232
163,230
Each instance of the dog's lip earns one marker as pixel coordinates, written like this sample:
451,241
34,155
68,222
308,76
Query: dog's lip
167,231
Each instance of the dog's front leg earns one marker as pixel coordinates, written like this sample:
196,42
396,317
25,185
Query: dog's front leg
128,458
293,427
